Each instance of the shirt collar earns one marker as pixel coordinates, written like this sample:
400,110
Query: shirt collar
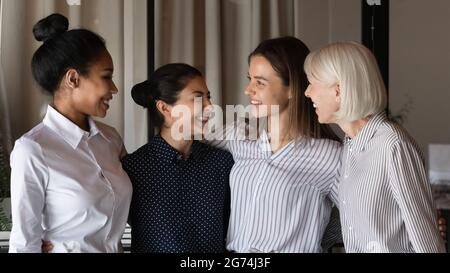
264,143
167,153
68,130
359,142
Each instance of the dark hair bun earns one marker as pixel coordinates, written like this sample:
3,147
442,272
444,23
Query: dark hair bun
141,94
50,27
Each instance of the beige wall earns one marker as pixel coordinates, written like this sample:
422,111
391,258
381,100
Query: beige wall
123,25
420,67
321,22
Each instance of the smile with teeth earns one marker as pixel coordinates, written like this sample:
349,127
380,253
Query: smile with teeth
255,102
106,102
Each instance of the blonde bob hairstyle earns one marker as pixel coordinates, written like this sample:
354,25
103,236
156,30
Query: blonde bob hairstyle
354,68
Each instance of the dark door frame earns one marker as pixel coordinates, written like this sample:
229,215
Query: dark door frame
150,53
375,33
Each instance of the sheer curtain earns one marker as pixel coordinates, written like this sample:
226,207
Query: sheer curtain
216,36
123,24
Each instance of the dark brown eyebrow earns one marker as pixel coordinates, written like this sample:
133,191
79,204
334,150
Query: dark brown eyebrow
200,92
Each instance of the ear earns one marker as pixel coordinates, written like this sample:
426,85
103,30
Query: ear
337,90
164,109
71,79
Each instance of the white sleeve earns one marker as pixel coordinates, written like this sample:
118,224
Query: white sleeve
413,194
221,137
29,179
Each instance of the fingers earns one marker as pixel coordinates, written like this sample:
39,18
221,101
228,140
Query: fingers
47,246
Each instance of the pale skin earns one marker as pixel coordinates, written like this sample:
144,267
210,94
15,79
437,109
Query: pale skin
326,99
266,88
195,89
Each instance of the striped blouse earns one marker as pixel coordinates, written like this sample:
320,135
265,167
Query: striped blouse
385,200
279,202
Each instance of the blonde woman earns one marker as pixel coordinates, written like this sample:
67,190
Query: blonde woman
383,194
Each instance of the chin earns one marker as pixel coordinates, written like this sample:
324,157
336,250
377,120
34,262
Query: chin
101,114
324,120
255,113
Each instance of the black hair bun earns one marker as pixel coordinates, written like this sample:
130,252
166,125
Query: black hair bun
141,94
50,27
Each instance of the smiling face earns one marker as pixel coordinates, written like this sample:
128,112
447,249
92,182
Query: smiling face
325,99
195,97
95,90
265,88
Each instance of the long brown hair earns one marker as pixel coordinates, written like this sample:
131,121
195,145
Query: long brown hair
287,56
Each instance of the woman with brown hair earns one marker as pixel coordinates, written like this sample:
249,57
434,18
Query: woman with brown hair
280,181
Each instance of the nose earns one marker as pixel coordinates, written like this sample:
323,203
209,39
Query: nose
207,103
308,92
114,89
248,90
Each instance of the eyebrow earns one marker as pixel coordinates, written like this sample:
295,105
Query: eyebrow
200,92
109,69
258,78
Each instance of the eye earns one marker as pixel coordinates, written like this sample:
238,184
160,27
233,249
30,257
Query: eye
260,83
108,77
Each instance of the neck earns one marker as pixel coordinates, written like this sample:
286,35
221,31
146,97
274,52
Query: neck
182,146
65,109
352,129
279,131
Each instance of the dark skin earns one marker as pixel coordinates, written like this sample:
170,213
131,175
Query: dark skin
81,96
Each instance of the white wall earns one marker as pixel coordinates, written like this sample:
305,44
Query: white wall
420,67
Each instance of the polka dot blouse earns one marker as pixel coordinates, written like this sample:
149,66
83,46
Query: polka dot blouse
178,205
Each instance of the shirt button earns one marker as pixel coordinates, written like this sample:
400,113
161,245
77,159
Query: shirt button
343,202
350,228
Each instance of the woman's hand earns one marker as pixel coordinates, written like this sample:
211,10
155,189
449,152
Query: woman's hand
442,226
47,246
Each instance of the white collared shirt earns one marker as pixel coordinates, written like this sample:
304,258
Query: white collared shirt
279,202
384,196
68,187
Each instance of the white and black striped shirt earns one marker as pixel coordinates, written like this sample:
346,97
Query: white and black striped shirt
279,202
385,200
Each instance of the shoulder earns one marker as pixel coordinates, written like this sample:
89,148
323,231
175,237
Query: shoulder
393,135
28,152
137,156
324,145
216,153
31,142
110,133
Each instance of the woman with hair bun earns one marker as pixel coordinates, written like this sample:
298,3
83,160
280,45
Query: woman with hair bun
67,182
180,185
